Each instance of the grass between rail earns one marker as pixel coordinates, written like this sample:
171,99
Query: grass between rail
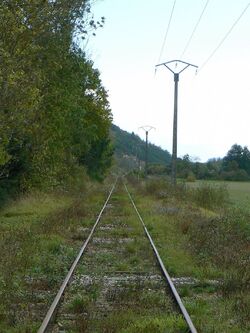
203,238
118,288
198,234
40,235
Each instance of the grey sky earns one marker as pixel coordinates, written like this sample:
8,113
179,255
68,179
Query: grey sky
214,106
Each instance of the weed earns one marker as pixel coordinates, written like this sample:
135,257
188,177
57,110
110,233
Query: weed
224,241
204,244
130,248
209,197
36,250
122,266
170,324
184,291
134,260
80,304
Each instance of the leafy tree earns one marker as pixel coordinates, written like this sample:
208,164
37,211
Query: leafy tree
236,164
54,110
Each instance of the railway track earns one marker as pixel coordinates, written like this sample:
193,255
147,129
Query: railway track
118,282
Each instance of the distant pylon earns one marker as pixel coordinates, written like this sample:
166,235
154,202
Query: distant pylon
147,129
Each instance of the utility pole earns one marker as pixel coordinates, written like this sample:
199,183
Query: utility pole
176,80
146,129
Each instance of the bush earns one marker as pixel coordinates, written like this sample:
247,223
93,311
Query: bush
210,197
191,177
224,242
156,186
235,175
163,188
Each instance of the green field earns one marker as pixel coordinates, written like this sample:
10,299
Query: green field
239,192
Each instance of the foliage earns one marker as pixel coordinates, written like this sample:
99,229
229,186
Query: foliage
224,242
54,109
208,196
174,323
210,244
130,150
158,169
44,232
237,157
234,166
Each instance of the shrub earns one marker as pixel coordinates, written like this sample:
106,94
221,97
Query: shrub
156,186
80,304
224,242
165,189
235,175
191,177
210,197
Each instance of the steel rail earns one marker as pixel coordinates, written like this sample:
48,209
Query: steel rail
164,271
47,320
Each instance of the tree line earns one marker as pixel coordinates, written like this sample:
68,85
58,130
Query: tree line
54,111
234,166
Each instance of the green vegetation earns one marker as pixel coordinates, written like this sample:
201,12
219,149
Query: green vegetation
55,116
158,325
238,192
123,290
130,155
40,235
55,133
234,166
206,242
203,240
130,151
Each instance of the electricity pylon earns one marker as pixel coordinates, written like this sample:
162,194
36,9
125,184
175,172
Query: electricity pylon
176,80
146,129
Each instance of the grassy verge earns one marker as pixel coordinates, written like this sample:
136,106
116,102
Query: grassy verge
239,192
199,236
40,235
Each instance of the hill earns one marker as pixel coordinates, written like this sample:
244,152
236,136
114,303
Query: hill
130,150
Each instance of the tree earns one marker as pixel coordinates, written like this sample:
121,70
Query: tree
54,109
237,157
236,164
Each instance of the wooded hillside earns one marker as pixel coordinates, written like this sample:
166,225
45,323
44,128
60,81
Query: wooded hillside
130,149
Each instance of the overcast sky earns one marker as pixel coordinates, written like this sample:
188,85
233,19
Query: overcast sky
213,106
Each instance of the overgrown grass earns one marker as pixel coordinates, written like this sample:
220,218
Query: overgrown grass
200,235
171,324
40,235
239,192
123,291
208,196
224,242
128,321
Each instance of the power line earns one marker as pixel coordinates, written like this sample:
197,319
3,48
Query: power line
195,28
224,38
166,34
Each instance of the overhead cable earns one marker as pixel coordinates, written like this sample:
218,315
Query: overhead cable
166,34
224,38
195,28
